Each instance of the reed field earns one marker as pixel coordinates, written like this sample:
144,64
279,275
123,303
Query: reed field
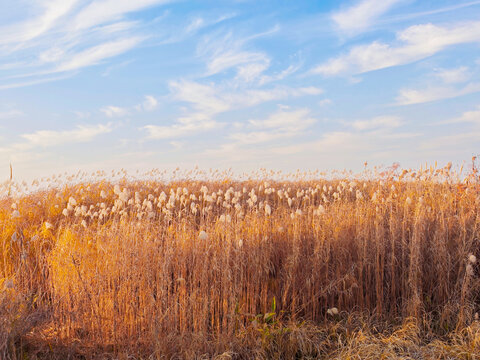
378,265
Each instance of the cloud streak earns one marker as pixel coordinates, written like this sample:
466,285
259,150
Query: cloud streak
207,101
64,36
414,43
49,138
281,124
95,54
435,93
362,15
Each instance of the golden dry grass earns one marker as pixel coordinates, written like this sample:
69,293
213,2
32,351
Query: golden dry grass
377,267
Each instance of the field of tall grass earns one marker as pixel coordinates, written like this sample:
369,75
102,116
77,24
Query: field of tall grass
268,266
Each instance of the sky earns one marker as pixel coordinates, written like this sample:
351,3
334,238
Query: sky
284,85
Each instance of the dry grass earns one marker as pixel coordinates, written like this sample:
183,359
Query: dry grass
190,269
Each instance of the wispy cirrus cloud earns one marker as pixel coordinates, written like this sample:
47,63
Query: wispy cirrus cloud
414,43
48,14
10,114
49,138
223,52
105,11
284,124
281,124
207,101
157,132
214,99
96,54
68,35
114,111
29,148
471,116
434,93
371,139
454,75
360,16
377,122
149,103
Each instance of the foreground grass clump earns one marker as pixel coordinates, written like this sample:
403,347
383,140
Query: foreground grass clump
376,266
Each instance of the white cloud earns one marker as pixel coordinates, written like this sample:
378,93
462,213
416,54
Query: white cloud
177,145
264,79
226,52
82,114
324,102
414,43
361,146
418,96
196,24
451,76
326,148
282,124
148,104
207,101
362,15
156,132
377,122
204,98
32,82
251,72
51,12
472,116
48,138
66,35
288,121
103,11
96,54
252,97
10,114
109,69
114,111
232,58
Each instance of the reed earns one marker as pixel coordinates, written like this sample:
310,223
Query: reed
243,269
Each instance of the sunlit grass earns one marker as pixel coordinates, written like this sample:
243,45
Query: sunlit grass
289,265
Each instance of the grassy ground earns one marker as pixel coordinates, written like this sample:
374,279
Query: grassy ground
381,266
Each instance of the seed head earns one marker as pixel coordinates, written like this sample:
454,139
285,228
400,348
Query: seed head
472,258
268,210
332,311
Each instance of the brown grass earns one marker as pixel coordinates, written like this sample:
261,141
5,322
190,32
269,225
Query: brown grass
390,253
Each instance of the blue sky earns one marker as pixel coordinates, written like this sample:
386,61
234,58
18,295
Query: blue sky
143,84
